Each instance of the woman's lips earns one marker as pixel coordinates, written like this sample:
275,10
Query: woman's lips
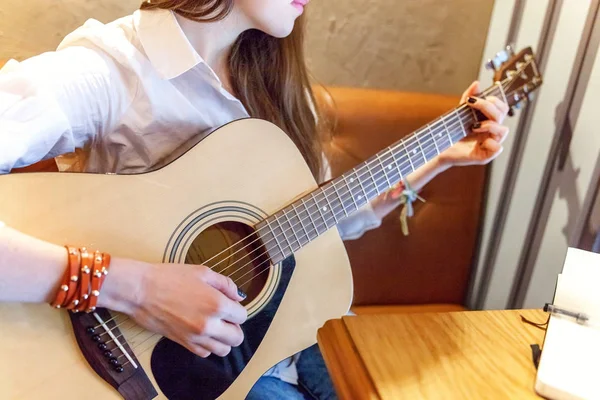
299,4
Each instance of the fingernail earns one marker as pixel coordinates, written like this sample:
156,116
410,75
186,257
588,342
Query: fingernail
472,100
477,125
242,294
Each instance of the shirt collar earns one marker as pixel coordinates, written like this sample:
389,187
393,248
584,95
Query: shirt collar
164,42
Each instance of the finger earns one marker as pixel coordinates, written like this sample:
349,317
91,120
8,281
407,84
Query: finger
502,106
223,284
498,132
488,108
471,91
197,349
492,146
214,346
224,332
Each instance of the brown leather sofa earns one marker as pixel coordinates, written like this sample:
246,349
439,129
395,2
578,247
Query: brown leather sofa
430,268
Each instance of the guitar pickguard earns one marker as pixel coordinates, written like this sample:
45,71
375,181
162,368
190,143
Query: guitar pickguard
181,375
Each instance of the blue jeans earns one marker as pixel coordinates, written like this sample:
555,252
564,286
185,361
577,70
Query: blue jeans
314,382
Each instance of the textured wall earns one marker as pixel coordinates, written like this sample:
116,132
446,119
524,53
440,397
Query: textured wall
420,45
29,27
417,45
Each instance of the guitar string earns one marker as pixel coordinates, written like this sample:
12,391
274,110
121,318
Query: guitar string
269,266
120,323
377,180
325,197
325,222
335,212
506,89
405,163
402,162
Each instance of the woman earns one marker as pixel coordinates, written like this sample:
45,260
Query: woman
120,97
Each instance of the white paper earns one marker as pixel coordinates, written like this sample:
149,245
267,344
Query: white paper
570,362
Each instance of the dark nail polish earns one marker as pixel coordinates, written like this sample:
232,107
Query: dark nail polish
472,100
242,294
477,125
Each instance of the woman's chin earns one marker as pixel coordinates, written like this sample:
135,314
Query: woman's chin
281,31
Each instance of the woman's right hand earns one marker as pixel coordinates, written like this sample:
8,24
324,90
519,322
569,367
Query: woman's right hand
190,304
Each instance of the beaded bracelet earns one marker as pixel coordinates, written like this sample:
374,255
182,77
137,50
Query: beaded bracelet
85,274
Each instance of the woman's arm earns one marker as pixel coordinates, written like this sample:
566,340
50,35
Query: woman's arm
22,279
385,204
56,102
191,305
480,147
50,105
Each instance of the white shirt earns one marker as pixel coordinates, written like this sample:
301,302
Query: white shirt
119,98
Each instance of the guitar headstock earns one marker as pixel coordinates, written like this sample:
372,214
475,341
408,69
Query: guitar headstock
517,73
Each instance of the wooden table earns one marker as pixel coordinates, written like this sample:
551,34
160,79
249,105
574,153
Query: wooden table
455,355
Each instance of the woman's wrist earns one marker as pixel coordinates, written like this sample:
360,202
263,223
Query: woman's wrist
441,163
122,290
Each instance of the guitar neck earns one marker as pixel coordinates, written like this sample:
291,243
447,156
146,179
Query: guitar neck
293,227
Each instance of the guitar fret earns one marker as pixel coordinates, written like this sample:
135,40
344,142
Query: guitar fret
340,198
474,114
460,122
293,229
283,230
437,150
301,223
350,190
384,171
396,162
447,131
408,155
310,217
287,241
330,206
373,178
319,208
275,237
499,84
420,146
360,185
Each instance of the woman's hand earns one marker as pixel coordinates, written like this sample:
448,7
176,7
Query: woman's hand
484,143
190,304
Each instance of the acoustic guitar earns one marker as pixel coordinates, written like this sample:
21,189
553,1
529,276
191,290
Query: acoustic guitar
241,201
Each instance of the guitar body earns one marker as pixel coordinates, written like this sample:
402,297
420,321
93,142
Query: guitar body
243,172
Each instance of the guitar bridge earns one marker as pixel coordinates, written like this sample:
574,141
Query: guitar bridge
106,350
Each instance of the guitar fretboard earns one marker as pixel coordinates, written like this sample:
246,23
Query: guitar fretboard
293,227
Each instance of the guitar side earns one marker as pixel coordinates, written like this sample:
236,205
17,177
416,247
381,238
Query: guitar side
246,162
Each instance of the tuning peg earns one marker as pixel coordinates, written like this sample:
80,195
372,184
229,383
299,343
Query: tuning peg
510,50
500,58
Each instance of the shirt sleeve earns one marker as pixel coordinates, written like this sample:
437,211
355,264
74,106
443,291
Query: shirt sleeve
355,225
57,102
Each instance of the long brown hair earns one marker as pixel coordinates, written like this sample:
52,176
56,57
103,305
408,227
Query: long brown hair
268,75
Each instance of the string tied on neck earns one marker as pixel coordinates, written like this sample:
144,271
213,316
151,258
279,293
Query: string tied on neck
407,196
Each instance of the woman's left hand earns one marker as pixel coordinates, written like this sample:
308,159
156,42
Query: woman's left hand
484,142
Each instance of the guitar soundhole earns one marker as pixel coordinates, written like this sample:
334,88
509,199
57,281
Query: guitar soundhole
234,250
